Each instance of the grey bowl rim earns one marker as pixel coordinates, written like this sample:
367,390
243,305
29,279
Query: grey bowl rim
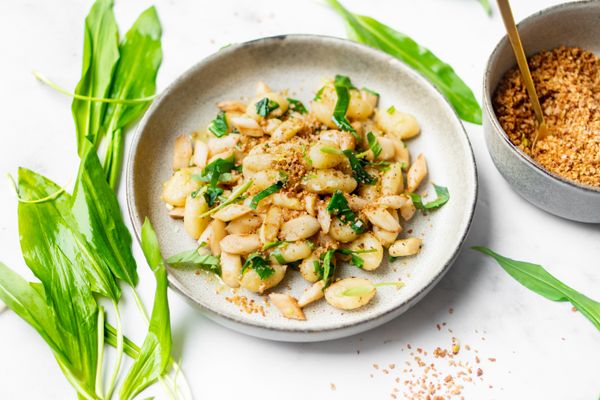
489,109
175,284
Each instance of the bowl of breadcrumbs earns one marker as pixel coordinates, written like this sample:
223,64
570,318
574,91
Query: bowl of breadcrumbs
561,173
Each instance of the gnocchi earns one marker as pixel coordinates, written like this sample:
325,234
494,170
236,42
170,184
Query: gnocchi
282,186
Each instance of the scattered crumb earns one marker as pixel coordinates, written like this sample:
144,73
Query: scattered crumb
332,385
246,305
479,372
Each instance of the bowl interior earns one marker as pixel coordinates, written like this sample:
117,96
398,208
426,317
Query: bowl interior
300,63
574,24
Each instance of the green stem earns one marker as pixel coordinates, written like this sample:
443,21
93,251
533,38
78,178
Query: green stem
234,196
60,89
100,356
166,385
120,344
112,164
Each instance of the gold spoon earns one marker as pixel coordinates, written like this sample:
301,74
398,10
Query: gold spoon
515,41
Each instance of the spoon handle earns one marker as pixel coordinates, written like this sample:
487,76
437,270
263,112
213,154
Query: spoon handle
515,41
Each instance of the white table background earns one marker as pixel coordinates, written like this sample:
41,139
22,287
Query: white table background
542,349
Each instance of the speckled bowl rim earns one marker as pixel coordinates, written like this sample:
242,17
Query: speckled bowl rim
176,285
487,99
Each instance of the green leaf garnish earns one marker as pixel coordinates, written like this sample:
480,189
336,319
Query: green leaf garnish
234,197
358,171
354,258
279,257
297,105
338,206
265,106
373,33
391,110
194,259
319,94
362,290
219,126
327,266
342,87
273,244
274,188
213,174
260,264
357,164
371,91
442,198
374,144
535,278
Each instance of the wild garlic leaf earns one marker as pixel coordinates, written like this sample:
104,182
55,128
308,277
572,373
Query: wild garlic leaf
193,258
358,171
274,188
31,305
374,144
535,278
273,244
486,6
338,206
100,56
371,32
134,77
327,266
219,126
49,231
342,86
442,198
59,256
155,354
260,264
265,106
296,105
97,214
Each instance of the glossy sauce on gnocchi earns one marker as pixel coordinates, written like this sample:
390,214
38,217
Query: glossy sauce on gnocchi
274,186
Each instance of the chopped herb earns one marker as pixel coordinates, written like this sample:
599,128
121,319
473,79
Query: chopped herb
297,105
391,110
355,259
260,264
342,87
192,258
357,164
318,269
278,256
319,94
338,206
358,170
265,106
213,194
236,195
214,173
374,144
218,126
371,91
276,187
359,291
443,197
276,243
392,258
328,265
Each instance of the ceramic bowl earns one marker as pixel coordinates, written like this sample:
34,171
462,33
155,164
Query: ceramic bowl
571,24
300,63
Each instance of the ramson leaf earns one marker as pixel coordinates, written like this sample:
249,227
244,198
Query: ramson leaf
218,126
155,353
193,258
134,77
373,33
442,198
98,217
100,56
535,278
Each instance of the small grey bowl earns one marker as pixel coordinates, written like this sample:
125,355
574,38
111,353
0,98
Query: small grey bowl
300,63
572,24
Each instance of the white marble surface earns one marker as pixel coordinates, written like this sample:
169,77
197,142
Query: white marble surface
542,349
